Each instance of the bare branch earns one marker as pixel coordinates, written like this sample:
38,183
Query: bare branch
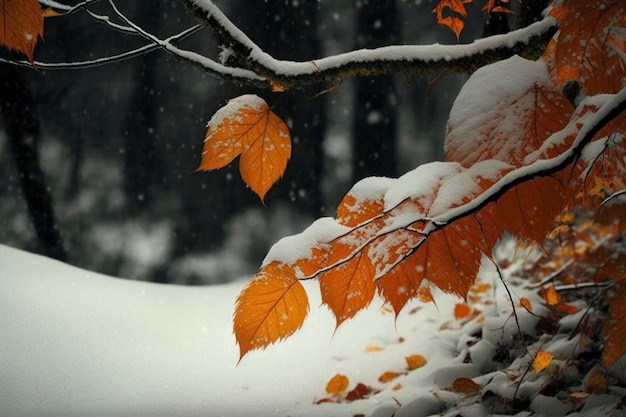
67,10
105,60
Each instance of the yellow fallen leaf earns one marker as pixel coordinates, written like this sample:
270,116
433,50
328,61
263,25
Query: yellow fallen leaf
542,361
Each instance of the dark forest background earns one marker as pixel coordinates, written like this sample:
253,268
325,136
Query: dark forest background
112,150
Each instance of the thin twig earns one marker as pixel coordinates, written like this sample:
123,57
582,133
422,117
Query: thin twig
105,60
551,277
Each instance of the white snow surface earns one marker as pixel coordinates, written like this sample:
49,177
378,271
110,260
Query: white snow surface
78,343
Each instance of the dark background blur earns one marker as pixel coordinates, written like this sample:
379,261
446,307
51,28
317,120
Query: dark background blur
117,145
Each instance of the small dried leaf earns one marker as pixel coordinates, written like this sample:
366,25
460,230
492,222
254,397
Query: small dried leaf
337,385
415,361
576,398
551,296
480,288
370,349
542,360
388,376
597,383
465,386
359,392
277,88
462,310
325,400
525,302
397,387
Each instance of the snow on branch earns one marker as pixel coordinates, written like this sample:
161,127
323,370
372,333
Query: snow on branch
528,42
413,213
612,108
249,64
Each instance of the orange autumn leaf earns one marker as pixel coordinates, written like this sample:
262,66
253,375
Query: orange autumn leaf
50,12
399,285
396,387
388,376
337,385
21,25
590,45
246,126
324,401
451,13
615,331
370,349
529,209
512,124
480,288
348,288
462,310
465,386
542,360
551,296
415,361
493,6
353,211
277,88
450,258
525,302
271,307
359,392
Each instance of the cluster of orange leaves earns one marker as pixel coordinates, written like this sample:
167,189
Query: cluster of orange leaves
452,13
351,267
337,386
583,251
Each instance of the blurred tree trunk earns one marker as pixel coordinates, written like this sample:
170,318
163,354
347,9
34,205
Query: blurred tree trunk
141,124
140,154
374,124
22,128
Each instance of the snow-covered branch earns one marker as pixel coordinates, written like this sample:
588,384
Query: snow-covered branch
443,210
249,64
615,106
528,42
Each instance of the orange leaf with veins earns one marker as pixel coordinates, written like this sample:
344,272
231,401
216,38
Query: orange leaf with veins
21,25
542,360
271,307
246,126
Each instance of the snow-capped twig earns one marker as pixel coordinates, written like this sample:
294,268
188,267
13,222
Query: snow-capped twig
610,198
